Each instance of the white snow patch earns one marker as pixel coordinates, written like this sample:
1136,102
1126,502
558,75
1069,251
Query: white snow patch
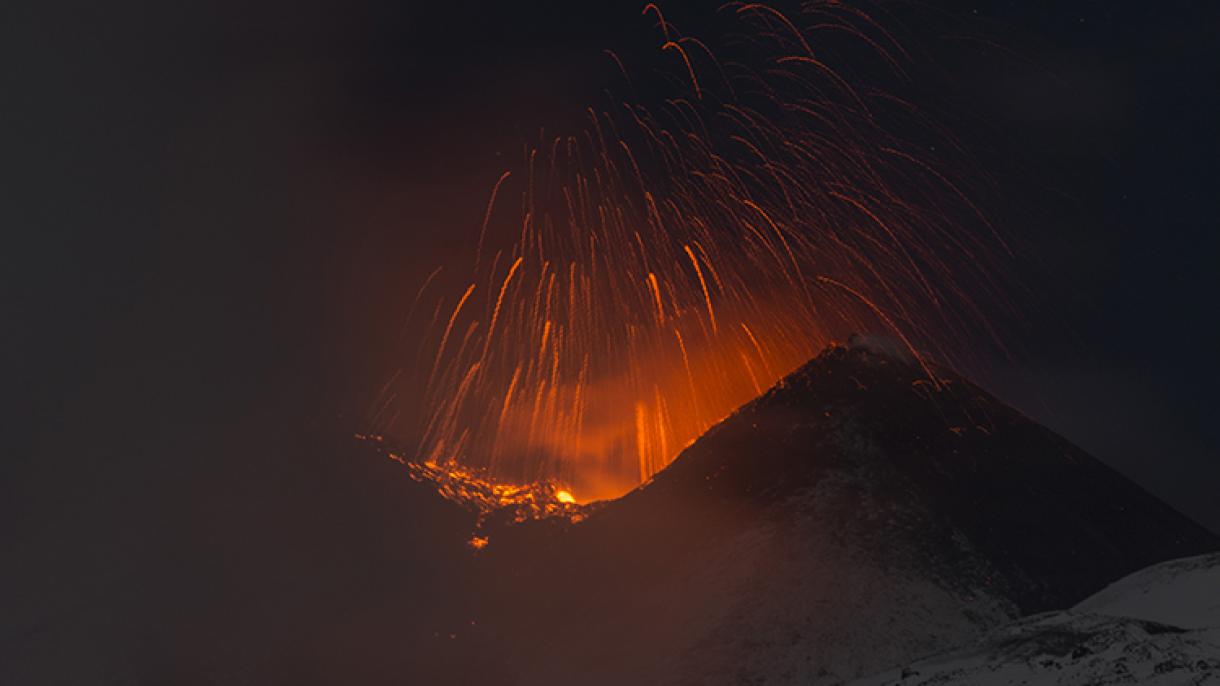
1183,593
1159,626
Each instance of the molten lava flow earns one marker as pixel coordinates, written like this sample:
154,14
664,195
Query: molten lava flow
670,264
475,490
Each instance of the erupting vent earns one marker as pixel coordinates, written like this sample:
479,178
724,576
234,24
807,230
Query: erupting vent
537,500
676,258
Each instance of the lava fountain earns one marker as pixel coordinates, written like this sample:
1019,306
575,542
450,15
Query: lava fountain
675,259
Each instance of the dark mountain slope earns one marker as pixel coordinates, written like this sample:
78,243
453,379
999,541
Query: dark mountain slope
1055,522
855,516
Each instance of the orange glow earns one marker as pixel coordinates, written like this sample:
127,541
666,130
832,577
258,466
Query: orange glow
669,265
473,489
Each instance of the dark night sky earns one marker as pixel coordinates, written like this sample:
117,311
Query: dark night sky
213,214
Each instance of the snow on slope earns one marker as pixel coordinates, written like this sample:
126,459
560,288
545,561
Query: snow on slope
1183,593
1158,626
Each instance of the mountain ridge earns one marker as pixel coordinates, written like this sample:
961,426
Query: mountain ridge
856,516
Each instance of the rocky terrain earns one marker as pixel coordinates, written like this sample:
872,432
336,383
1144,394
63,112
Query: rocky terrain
1159,626
858,516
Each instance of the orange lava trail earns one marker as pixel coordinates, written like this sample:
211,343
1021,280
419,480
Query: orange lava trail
677,257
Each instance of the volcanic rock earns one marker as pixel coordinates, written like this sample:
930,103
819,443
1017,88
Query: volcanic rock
861,514
1159,626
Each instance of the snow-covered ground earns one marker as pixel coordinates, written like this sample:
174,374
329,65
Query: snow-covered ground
1183,593
1159,626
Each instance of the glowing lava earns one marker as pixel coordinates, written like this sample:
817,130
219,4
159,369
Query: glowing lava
670,263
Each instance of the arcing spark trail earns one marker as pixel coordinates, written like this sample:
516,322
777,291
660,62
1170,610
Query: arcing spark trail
672,261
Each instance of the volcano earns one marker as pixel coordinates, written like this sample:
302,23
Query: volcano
861,514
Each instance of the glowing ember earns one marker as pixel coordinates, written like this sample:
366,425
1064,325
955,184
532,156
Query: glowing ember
671,264
475,491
